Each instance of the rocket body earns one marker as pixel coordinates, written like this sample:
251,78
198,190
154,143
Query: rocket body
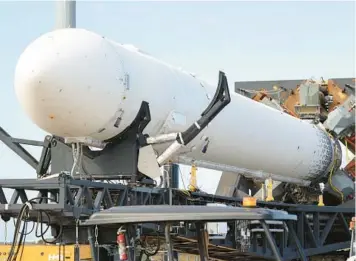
76,83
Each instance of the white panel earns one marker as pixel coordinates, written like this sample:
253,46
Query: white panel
147,163
175,122
71,82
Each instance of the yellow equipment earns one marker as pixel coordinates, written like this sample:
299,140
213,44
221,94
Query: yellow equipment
193,179
249,202
269,190
37,252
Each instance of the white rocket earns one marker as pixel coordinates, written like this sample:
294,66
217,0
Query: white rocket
76,83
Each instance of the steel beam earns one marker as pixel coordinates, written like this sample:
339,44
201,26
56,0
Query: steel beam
18,149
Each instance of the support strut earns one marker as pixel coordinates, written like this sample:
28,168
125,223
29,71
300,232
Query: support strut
271,241
167,233
202,242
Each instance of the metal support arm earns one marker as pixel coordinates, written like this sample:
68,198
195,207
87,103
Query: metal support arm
14,145
221,99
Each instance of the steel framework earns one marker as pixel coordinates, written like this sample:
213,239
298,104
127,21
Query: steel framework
318,230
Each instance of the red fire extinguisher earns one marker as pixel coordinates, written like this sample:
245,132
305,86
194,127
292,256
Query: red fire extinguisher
121,242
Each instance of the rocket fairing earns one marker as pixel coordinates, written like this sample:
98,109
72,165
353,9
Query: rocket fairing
76,83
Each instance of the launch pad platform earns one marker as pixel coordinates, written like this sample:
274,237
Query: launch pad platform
298,231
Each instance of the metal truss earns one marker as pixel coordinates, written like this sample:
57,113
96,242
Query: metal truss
15,145
318,230
72,199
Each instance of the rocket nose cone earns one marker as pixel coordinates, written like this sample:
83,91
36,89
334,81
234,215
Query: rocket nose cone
59,82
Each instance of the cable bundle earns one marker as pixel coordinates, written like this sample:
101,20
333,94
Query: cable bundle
19,237
21,233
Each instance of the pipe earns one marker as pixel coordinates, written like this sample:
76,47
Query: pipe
65,14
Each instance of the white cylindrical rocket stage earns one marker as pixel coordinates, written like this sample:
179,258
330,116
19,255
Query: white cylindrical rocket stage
75,83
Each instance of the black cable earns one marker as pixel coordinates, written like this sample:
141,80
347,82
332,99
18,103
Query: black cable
20,236
61,256
44,232
33,227
40,220
23,235
24,240
19,244
24,211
